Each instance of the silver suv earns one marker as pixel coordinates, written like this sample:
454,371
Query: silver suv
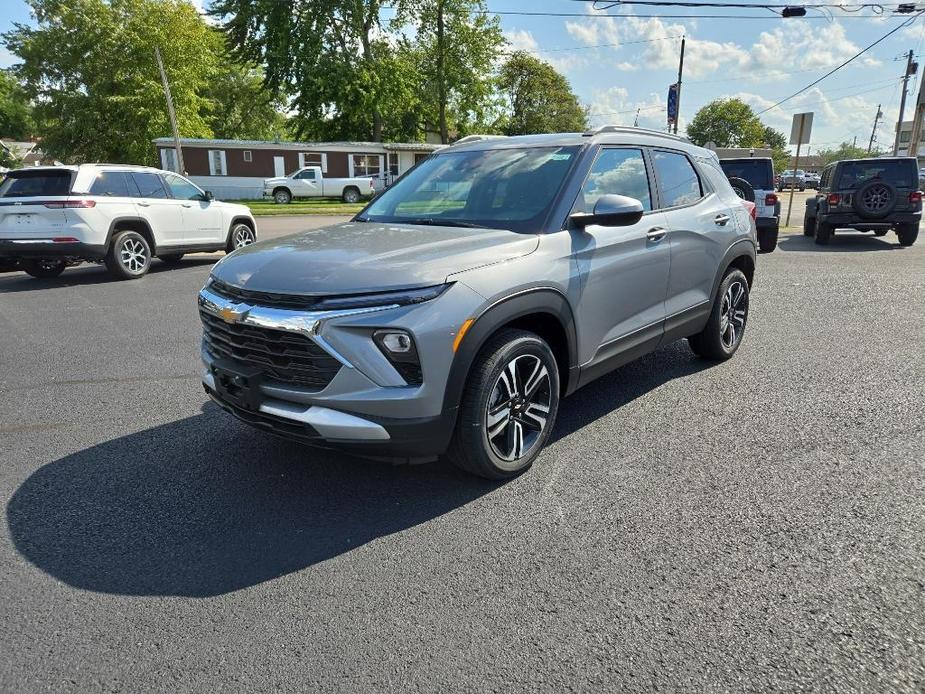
496,277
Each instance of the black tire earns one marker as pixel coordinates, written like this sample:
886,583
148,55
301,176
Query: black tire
767,240
714,341
742,188
171,258
809,226
874,199
823,233
473,449
129,256
907,234
43,268
282,196
351,195
239,235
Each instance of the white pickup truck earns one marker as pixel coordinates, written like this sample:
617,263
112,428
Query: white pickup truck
309,183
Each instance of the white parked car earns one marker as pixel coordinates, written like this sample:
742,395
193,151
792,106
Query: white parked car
308,182
56,216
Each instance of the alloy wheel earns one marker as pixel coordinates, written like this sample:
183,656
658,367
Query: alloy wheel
518,408
733,314
133,255
876,198
242,236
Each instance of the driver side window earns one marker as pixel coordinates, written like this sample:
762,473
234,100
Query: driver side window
181,189
615,172
307,175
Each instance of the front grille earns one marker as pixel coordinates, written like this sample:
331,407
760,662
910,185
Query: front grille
271,299
282,356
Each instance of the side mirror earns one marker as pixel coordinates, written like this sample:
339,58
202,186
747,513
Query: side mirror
611,211
209,196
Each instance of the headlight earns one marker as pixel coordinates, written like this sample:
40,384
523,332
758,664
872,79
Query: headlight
404,297
399,348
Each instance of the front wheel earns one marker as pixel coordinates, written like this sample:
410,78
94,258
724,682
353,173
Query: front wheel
508,408
282,196
823,233
129,256
43,268
241,235
723,333
907,234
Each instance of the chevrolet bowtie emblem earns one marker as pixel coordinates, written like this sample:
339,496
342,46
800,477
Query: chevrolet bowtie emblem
230,315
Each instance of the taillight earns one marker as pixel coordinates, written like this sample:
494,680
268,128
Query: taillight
57,205
915,196
752,209
770,199
833,198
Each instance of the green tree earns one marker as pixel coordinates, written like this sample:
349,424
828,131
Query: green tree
15,109
241,107
846,150
774,139
90,66
457,45
539,99
727,123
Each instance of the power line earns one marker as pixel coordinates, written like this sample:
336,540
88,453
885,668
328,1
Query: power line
892,31
600,45
525,13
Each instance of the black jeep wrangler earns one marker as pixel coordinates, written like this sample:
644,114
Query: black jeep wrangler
867,195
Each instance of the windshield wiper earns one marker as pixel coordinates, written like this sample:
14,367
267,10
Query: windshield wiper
434,222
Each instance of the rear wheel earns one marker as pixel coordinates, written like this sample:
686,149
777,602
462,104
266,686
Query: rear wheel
823,233
129,256
723,333
767,240
43,268
809,226
351,195
907,234
508,408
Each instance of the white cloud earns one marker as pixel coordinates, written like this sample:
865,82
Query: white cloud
627,67
523,40
613,106
586,33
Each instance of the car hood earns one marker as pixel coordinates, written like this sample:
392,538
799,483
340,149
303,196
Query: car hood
358,257
274,181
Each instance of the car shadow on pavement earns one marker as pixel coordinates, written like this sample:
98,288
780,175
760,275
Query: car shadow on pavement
92,274
206,505
843,242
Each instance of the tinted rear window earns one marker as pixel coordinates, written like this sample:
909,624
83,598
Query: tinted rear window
759,172
149,185
112,183
899,173
27,184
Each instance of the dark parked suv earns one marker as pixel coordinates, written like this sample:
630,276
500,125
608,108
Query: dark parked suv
867,195
494,278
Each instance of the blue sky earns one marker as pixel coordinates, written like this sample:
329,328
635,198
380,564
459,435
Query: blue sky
619,64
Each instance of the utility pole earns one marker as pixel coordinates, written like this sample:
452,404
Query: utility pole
636,121
873,133
170,111
910,70
917,121
441,74
680,74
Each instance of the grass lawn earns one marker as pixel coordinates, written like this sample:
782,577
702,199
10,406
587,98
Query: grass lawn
264,208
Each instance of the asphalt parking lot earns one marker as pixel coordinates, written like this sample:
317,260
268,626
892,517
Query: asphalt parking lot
757,525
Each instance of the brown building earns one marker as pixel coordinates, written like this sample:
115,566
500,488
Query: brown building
236,169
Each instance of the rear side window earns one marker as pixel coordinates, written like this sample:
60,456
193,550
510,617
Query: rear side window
149,185
899,173
27,184
110,183
616,172
679,183
758,172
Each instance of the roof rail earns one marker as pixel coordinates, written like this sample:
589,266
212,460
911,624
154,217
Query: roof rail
632,129
476,138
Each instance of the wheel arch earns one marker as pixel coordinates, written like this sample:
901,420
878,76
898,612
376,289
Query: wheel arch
136,224
543,311
740,255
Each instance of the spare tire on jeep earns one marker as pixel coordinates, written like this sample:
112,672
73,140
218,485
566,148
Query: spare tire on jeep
742,188
874,199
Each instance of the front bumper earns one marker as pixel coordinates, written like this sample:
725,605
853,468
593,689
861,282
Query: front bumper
366,407
48,248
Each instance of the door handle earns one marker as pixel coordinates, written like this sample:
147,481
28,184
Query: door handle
144,204
656,234
187,204
721,219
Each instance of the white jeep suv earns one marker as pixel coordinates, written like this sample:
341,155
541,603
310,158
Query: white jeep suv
123,216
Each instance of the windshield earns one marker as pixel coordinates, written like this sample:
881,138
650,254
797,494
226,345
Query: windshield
758,172
496,188
27,184
899,173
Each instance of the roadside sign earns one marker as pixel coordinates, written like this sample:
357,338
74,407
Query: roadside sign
673,104
801,128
